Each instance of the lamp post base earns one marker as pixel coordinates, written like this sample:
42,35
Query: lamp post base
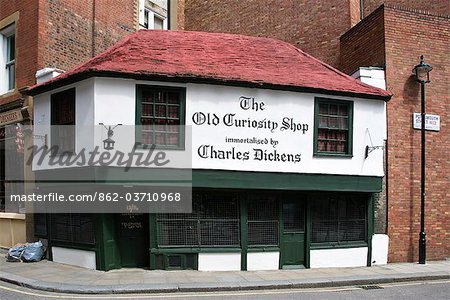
422,247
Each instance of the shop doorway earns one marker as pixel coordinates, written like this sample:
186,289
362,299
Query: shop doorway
292,242
133,240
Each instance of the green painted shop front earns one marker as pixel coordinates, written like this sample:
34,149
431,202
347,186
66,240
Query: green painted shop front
235,212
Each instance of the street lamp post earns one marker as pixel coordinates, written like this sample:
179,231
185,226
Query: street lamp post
422,73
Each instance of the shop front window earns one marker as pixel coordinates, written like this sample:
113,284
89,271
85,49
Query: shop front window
73,228
263,221
339,219
213,222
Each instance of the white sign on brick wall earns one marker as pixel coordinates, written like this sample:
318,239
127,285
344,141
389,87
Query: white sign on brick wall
432,122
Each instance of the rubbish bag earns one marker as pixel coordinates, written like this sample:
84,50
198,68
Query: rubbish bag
15,253
33,252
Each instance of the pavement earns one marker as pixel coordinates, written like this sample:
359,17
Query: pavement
56,277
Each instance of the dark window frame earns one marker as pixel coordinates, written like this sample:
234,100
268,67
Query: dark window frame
203,228
55,103
261,221
334,216
9,42
349,143
73,227
140,90
11,61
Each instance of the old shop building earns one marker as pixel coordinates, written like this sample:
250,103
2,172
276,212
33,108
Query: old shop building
281,178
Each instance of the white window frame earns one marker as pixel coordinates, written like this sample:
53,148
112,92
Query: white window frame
151,19
5,65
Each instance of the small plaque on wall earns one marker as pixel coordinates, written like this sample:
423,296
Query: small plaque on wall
432,122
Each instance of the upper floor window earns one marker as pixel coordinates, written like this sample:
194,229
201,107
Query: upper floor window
160,116
8,58
153,20
333,127
63,121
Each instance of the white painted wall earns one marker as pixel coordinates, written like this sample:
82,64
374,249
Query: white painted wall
258,261
112,101
373,76
380,247
46,74
74,257
219,261
368,125
338,258
84,119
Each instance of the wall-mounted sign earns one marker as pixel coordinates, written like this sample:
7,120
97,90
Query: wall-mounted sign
12,116
432,122
256,130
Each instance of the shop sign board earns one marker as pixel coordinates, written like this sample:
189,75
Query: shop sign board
12,116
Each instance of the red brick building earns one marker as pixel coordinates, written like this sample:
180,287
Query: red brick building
391,37
57,34
396,37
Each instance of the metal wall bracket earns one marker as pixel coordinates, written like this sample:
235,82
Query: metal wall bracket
369,149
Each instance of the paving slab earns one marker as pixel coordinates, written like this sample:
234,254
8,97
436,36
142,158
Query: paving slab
55,277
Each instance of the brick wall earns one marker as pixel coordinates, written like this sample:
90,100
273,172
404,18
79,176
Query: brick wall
181,17
58,33
408,35
312,25
365,38
26,42
69,36
434,6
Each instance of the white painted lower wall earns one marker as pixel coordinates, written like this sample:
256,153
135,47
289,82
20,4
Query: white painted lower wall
74,257
380,247
219,261
257,261
338,258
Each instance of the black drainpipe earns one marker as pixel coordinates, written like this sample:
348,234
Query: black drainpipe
168,14
93,29
361,9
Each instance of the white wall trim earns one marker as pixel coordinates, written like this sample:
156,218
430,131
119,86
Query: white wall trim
380,249
259,261
219,261
338,258
74,257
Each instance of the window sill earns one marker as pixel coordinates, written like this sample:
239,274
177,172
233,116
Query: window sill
164,250
329,154
15,216
160,147
342,245
263,249
8,93
72,245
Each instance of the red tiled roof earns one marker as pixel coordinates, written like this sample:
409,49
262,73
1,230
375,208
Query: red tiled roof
224,58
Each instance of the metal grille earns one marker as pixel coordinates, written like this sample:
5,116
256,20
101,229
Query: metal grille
263,222
177,232
339,219
213,222
263,233
219,232
74,228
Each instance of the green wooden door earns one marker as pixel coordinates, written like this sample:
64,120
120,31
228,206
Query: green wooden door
133,240
293,234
